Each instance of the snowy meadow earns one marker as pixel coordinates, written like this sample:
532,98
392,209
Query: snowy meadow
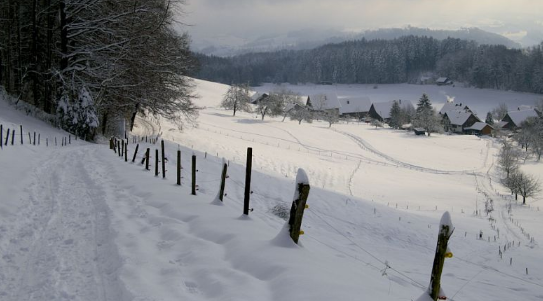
78,223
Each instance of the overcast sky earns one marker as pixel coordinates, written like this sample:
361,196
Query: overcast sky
247,19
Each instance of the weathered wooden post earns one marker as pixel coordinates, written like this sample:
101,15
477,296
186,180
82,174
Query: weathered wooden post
446,229
121,153
248,168
126,151
193,174
1,136
135,153
156,162
13,137
179,167
29,137
21,128
7,137
298,205
119,148
39,138
69,139
223,180
163,161
147,159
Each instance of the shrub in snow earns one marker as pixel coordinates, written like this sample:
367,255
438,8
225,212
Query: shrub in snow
281,210
78,116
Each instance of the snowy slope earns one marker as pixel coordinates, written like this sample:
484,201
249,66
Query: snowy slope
81,224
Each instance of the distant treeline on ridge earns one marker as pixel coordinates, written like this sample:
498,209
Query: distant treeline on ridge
399,60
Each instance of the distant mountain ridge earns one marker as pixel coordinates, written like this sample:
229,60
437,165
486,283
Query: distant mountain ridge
311,38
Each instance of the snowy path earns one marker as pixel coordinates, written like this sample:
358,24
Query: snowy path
61,247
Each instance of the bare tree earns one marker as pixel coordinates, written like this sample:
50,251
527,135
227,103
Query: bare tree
524,184
508,158
499,112
237,99
330,116
301,113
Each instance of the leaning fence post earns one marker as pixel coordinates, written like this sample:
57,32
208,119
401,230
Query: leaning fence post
446,229
298,205
126,151
147,159
13,137
163,161
1,136
248,168
179,167
119,148
135,153
29,138
21,127
39,138
223,180
193,174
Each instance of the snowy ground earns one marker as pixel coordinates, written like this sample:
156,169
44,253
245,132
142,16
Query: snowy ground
78,223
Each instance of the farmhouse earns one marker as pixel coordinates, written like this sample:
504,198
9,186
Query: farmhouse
457,121
443,81
451,106
324,102
354,106
381,110
479,128
514,119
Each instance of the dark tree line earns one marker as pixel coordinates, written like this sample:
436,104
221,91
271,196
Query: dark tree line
95,58
386,61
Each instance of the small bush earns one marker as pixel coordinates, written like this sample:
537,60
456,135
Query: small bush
281,210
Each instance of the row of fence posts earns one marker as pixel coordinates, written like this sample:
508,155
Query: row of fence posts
298,205
34,139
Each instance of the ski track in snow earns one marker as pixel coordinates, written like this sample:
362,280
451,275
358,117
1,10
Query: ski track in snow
62,247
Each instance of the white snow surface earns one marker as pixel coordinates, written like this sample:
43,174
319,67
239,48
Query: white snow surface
78,223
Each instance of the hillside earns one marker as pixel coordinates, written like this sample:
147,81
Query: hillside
79,223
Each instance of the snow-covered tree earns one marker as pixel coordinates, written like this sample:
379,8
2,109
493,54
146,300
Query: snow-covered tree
330,116
426,117
395,121
237,99
500,111
273,105
508,158
523,184
301,113
489,119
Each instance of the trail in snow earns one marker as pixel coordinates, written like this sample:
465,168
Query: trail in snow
62,246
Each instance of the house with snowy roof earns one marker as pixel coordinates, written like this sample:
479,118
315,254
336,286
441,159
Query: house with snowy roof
381,110
479,128
258,97
458,121
443,81
514,119
354,106
452,106
324,102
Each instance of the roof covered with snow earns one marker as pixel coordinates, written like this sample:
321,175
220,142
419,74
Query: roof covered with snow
520,116
383,108
354,104
478,126
324,101
459,117
442,80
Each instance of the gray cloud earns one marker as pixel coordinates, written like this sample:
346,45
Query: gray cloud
246,19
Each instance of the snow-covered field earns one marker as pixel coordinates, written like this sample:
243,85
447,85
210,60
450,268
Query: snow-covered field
479,100
78,223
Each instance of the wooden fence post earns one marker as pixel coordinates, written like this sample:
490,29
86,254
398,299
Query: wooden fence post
34,143
21,127
445,233
121,142
298,205
163,161
56,141
126,151
69,139
1,136
135,152
13,137
193,174
119,148
147,159
7,137
156,162
179,167
29,138
223,180
39,138
248,168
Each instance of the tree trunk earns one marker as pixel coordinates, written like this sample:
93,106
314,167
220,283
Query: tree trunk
133,117
523,200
